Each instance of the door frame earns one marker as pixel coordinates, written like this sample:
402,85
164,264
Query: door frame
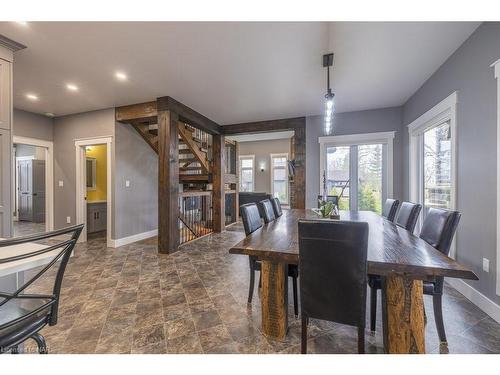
49,176
81,186
384,138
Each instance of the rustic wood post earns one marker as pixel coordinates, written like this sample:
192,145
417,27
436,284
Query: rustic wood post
168,181
218,173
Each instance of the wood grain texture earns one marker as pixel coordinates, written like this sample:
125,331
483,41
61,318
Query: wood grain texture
168,182
390,247
187,137
274,299
405,326
219,168
135,112
188,115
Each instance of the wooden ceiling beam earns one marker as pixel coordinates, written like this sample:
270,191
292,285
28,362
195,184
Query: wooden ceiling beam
136,112
189,115
265,126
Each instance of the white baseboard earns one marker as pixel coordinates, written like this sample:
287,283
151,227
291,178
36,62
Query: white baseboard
476,297
136,237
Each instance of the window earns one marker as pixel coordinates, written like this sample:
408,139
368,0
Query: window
279,177
358,169
432,158
247,163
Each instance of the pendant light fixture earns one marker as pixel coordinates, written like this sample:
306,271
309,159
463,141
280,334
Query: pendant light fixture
329,97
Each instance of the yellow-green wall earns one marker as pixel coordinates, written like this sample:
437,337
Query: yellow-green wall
99,153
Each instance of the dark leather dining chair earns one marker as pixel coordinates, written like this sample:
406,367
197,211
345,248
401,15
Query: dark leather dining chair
333,265
407,219
438,230
23,313
408,215
251,222
390,209
266,210
277,207
330,198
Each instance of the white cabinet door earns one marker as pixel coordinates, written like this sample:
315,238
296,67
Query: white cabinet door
5,94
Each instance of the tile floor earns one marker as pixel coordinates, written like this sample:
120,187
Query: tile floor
134,300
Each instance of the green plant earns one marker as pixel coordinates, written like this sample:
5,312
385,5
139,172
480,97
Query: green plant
325,208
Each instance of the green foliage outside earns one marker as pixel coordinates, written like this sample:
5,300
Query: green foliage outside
369,199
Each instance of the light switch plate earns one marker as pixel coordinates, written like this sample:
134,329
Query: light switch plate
486,265
68,219
127,183
61,183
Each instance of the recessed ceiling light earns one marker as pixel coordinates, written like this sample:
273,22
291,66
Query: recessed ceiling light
32,96
71,87
121,76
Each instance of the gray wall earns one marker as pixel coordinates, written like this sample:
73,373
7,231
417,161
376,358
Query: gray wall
66,130
262,151
136,207
32,125
371,121
468,71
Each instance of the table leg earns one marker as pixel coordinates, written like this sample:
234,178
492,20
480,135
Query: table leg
274,299
403,301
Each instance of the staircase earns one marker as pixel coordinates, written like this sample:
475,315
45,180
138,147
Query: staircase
194,150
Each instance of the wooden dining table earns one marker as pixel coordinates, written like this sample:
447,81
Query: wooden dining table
402,259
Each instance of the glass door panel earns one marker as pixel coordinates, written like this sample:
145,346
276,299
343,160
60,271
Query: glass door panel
338,173
437,167
370,166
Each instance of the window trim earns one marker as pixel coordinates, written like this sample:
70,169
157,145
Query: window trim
271,156
384,138
247,157
444,111
496,66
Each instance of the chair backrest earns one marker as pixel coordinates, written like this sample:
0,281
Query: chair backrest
330,198
60,251
333,266
390,209
408,215
266,210
251,218
277,207
439,227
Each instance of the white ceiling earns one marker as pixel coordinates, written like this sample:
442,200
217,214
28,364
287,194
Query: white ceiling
230,72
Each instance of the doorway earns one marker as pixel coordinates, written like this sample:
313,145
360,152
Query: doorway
93,188
32,186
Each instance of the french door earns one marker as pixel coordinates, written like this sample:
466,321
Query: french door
357,174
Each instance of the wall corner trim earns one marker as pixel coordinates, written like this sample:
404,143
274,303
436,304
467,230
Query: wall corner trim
134,238
476,297
496,65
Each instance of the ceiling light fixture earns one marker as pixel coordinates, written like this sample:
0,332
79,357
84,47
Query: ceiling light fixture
32,97
121,76
72,87
329,97
49,114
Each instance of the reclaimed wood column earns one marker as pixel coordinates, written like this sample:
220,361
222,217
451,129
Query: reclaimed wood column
274,299
219,168
404,327
168,182
300,167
